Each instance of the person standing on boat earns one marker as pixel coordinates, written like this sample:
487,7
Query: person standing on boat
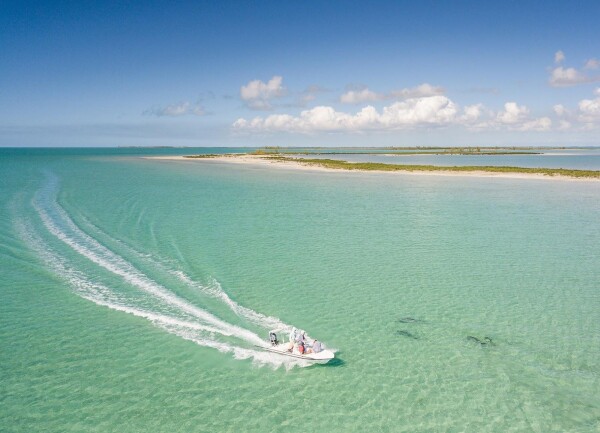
316,347
293,336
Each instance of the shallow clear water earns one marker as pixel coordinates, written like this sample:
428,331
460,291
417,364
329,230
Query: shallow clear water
578,159
132,291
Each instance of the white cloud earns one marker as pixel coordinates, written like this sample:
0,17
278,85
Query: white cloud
564,125
589,110
541,124
432,111
421,90
257,93
366,95
358,96
561,77
512,114
516,117
176,110
564,77
429,110
472,113
560,110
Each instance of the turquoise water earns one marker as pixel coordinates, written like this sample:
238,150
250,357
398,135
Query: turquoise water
133,291
579,159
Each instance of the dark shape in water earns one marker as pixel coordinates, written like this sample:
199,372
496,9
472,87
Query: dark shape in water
407,334
486,340
409,320
335,362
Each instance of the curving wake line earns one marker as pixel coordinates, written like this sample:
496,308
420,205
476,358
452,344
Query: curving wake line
213,289
183,318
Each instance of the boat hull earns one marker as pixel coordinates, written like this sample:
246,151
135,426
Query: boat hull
322,357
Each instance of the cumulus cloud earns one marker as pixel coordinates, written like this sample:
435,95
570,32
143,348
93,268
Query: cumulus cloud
176,110
435,110
589,110
472,113
431,111
560,110
257,94
512,113
515,117
564,77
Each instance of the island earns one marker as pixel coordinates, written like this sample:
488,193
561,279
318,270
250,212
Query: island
297,159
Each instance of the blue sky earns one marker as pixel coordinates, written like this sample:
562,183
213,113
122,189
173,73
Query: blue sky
299,73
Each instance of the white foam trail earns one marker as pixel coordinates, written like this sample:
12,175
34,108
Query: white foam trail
98,293
59,224
213,290
103,296
97,253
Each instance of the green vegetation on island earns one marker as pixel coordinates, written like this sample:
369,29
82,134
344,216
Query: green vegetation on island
377,166
272,150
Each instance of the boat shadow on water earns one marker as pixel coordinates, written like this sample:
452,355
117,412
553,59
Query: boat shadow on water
335,362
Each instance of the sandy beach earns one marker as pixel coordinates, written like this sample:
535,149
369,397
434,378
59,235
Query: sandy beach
265,161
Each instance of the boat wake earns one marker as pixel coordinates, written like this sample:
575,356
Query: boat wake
101,275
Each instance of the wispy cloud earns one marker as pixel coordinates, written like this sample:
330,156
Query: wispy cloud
357,96
310,94
592,64
420,91
177,110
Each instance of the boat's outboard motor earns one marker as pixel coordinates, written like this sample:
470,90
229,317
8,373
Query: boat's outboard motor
273,339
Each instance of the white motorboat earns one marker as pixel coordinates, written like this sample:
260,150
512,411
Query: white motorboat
290,349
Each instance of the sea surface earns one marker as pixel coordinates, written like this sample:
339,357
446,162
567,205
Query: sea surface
133,292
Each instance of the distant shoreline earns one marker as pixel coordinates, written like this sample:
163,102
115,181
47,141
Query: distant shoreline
329,165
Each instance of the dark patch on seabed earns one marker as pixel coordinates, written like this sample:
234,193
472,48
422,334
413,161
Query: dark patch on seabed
409,320
406,334
486,341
